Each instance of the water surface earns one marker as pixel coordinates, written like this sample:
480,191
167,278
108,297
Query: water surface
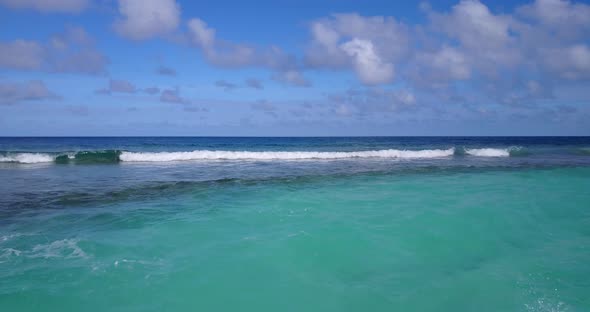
266,224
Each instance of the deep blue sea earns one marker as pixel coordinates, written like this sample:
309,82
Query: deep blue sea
295,224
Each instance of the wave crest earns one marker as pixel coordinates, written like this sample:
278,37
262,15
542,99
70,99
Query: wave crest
488,152
27,158
246,155
115,156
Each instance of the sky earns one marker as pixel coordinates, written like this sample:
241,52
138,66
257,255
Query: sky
294,68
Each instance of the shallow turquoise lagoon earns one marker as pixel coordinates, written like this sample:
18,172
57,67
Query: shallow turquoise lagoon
487,239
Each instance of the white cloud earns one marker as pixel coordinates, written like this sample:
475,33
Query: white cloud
21,54
70,52
485,38
201,34
473,24
405,97
451,62
152,90
254,83
225,85
118,86
166,71
369,45
263,106
368,65
47,6
342,110
229,54
440,67
121,86
291,77
374,100
572,62
16,92
494,55
144,19
173,96
324,50
560,15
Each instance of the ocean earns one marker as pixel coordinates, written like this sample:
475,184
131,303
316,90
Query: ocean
295,224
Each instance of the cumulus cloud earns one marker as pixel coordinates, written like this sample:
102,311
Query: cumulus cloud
72,51
254,83
369,66
265,106
77,110
465,53
225,85
152,90
195,109
368,45
118,86
144,19
202,35
468,43
433,69
565,18
21,54
122,86
166,71
372,100
219,52
16,92
227,54
291,77
48,6
518,92
485,38
571,62
519,58
172,96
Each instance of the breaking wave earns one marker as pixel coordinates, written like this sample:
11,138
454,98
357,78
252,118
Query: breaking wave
244,155
27,158
115,156
488,152
497,152
85,157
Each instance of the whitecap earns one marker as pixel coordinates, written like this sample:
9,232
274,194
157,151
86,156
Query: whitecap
488,152
281,155
27,158
65,248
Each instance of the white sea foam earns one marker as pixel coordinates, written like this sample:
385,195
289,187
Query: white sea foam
247,155
488,152
65,248
5,238
9,252
27,158
32,158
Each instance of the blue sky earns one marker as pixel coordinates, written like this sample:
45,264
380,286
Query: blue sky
294,68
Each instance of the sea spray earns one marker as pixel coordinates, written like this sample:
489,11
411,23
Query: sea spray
280,155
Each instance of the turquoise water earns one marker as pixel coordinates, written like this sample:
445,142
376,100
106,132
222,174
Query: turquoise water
416,235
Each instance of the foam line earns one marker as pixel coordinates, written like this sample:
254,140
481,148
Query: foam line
294,155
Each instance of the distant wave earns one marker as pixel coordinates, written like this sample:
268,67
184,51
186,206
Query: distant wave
28,158
295,155
65,248
115,156
497,152
90,157
488,152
